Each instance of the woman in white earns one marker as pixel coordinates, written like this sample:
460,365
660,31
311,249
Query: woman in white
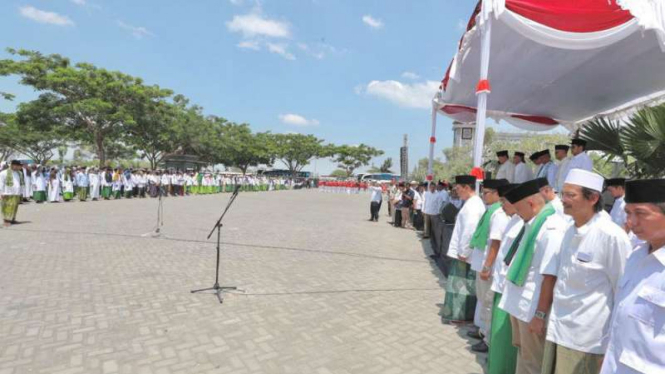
54,187
38,185
95,183
67,185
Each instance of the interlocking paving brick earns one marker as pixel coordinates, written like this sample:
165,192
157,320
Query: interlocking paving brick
86,288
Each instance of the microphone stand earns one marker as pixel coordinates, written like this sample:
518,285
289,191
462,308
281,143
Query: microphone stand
218,226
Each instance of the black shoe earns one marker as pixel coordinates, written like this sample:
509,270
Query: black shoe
371,219
480,347
474,334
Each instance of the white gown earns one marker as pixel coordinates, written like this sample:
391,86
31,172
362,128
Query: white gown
94,185
54,191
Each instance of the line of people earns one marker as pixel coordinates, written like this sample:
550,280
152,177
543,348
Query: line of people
20,183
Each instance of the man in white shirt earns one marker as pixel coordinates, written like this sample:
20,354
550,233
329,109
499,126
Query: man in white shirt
561,154
527,294
506,168
10,191
430,211
502,356
483,250
547,168
637,333
537,162
581,159
523,171
460,299
375,201
592,259
550,196
615,186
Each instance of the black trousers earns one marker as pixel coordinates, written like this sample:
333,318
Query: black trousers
374,209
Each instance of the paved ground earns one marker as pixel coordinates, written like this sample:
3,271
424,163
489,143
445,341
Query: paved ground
84,290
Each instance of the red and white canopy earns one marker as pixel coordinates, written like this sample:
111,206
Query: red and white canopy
559,61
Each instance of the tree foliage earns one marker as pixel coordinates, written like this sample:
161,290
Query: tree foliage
351,157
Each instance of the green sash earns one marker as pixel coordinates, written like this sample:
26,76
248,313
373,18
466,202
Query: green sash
513,247
522,262
9,180
479,238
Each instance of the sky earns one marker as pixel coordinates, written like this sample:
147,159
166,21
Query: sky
347,71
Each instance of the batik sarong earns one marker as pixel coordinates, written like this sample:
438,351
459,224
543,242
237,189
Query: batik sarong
10,207
83,193
459,304
39,196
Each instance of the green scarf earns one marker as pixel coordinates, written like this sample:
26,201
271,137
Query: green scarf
520,267
21,178
479,238
513,247
9,181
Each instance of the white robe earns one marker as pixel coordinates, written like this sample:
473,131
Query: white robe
523,173
38,182
465,225
27,188
561,173
506,171
95,180
54,190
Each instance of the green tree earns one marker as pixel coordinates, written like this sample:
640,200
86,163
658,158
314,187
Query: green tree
351,157
639,142
386,166
93,105
339,173
243,148
296,151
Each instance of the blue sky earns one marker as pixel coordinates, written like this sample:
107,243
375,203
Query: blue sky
348,71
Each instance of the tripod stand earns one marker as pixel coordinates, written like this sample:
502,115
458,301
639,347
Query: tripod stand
218,226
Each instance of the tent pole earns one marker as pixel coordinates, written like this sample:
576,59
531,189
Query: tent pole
482,91
432,141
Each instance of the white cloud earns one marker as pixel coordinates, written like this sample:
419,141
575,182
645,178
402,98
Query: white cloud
138,31
256,25
297,120
410,75
372,22
280,49
78,2
249,44
409,95
45,17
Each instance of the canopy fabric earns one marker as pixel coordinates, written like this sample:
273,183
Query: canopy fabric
559,61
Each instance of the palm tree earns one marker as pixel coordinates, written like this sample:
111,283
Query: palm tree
639,141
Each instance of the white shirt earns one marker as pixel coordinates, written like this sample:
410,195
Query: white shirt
523,173
506,171
15,188
417,200
591,261
562,172
465,224
637,330
498,223
431,203
377,193
580,161
521,302
618,212
548,170
557,204
500,270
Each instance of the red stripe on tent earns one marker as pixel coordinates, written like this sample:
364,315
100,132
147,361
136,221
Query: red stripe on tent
572,15
456,109
537,119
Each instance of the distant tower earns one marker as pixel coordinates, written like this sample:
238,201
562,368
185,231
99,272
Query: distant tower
404,159
463,134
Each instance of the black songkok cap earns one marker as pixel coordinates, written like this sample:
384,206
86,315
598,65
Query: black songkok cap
519,154
545,152
523,190
561,147
504,189
494,184
16,162
578,141
542,182
645,191
502,153
465,179
534,156
615,182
